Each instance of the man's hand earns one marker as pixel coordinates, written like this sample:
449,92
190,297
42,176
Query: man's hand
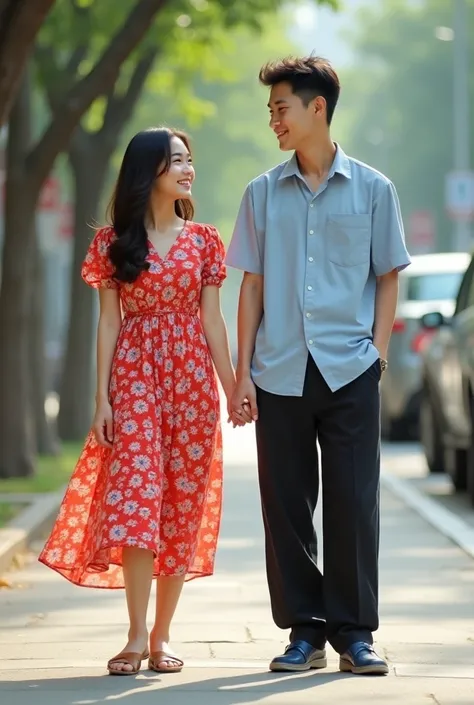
244,400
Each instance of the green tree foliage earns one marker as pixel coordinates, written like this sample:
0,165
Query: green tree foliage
397,105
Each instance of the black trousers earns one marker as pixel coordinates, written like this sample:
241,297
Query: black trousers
340,606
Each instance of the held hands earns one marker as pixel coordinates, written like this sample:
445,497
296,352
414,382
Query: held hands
103,425
242,404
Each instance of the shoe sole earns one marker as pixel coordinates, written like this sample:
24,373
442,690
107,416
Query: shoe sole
313,664
347,667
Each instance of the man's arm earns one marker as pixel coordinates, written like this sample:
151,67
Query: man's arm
246,253
248,321
389,257
386,298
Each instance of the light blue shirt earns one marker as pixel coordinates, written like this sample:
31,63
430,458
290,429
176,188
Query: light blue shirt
319,253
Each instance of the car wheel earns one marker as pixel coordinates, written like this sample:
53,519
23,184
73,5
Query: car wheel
401,430
430,435
456,467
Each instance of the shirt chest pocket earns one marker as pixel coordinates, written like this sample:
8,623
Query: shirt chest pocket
348,239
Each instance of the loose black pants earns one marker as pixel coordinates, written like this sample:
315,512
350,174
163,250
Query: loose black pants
342,605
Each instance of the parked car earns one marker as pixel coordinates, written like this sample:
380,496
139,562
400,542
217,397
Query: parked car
429,284
447,400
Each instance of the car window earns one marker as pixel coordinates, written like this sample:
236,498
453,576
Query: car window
434,287
466,289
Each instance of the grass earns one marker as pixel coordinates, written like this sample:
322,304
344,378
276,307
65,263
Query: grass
52,473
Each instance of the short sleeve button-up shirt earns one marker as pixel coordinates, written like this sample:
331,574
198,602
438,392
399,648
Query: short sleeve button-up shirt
320,254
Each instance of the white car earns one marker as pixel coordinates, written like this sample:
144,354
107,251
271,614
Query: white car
429,284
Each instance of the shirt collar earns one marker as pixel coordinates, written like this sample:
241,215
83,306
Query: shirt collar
341,165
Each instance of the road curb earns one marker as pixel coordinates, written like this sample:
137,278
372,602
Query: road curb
28,526
442,519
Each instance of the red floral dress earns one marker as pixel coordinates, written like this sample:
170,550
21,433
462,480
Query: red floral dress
160,486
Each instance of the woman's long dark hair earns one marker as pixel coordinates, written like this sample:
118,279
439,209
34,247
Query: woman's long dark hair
147,152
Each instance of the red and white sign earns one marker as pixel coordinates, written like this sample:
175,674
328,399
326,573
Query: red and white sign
50,196
421,232
66,222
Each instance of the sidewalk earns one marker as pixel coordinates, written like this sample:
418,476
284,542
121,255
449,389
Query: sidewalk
55,638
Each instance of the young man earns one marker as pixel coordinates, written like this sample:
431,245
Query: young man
320,240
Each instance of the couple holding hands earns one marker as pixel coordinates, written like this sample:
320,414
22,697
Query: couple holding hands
319,239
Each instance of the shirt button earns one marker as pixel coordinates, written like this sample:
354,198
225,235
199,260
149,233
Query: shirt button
311,232
310,342
310,259
310,288
308,315
311,205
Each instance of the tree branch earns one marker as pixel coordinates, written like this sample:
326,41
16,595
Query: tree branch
54,79
100,79
119,108
20,21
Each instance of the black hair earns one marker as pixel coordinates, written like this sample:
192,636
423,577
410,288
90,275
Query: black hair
147,152
309,77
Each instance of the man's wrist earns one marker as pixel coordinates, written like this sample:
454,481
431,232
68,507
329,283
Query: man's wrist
242,373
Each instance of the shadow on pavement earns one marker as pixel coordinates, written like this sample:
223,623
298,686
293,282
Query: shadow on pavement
242,688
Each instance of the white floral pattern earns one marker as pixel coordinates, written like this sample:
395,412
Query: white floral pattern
160,486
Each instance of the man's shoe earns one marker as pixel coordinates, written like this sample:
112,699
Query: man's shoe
299,656
361,659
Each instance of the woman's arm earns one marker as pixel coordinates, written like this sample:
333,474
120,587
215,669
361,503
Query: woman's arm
217,339
248,321
110,320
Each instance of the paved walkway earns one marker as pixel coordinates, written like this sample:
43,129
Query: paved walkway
55,638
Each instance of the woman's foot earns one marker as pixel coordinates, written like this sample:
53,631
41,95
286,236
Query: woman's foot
162,657
129,659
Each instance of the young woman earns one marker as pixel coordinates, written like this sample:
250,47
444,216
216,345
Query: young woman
145,498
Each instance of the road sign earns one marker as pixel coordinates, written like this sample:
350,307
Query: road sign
421,232
459,194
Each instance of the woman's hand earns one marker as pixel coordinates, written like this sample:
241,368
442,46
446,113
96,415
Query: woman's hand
244,400
240,418
103,424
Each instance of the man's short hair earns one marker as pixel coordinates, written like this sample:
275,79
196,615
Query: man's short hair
309,77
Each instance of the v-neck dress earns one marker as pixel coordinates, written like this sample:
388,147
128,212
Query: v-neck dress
160,486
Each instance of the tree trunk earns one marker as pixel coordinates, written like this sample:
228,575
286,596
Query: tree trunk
75,412
16,422
20,21
89,156
46,439
28,168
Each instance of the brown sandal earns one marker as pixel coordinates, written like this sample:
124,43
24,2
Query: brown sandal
129,658
157,657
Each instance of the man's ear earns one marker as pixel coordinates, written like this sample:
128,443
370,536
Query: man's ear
319,105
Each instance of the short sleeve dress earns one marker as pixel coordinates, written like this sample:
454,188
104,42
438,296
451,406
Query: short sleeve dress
160,486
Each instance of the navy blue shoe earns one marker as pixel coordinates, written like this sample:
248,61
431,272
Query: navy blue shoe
361,659
299,656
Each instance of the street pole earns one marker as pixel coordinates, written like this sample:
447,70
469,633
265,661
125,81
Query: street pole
461,111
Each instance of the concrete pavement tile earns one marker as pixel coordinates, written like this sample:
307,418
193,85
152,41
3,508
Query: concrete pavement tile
430,670
266,630
436,655
426,632
96,653
265,650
